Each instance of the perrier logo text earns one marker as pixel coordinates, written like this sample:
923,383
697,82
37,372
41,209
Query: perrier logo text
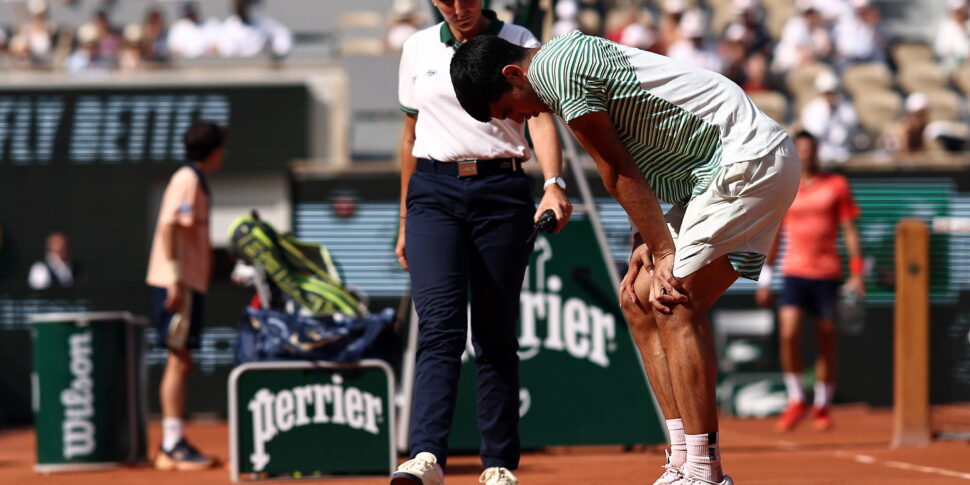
310,404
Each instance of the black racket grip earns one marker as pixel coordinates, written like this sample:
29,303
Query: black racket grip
547,222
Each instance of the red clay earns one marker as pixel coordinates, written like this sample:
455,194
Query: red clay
855,452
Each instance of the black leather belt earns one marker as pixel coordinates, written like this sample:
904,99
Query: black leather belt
470,168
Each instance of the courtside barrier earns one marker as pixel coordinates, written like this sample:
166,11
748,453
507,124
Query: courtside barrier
87,382
311,419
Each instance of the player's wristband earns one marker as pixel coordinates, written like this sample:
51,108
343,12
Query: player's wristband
857,266
173,267
764,281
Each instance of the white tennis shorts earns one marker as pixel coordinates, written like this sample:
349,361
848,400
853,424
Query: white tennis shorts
737,215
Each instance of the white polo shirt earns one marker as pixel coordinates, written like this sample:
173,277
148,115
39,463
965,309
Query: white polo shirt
444,131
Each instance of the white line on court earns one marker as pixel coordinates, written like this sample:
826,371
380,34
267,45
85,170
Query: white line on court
869,460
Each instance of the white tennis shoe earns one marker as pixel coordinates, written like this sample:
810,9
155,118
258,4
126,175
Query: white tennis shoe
423,469
671,474
686,480
498,476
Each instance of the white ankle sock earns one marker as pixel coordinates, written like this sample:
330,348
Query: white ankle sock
704,457
171,432
823,394
678,444
793,384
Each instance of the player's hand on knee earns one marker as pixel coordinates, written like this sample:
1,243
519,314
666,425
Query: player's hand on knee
639,259
666,290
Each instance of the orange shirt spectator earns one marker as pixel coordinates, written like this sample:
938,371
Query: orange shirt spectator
812,227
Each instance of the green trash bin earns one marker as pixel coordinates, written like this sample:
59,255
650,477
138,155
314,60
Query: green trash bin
88,392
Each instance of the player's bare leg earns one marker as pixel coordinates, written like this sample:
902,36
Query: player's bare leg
176,453
172,391
692,361
792,364
646,336
825,368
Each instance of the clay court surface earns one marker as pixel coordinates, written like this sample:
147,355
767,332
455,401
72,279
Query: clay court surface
855,452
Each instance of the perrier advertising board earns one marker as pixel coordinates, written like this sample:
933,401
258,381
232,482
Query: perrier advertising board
311,419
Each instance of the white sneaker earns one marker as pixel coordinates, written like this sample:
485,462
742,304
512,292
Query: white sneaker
671,474
700,481
423,469
498,476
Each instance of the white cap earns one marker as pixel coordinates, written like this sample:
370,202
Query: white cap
735,32
806,5
675,6
917,102
37,7
741,6
87,34
566,10
956,4
132,33
857,4
403,7
826,82
692,25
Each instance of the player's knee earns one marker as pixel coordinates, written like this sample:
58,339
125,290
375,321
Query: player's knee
180,361
788,335
825,329
682,318
631,310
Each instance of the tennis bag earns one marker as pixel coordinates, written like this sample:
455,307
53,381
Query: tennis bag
266,335
301,270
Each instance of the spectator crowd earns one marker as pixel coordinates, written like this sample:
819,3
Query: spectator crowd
38,42
826,66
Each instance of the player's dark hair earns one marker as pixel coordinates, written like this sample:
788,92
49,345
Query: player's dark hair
476,72
805,134
202,138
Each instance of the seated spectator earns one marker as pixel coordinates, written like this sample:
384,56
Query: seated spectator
57,269
832,120
87,56
567,12
405,21
153,42
635,30
33,43
734,55
190,36
673,13
952,43
245,34
749,27
805,39
859,36
108,37
130,55
756,75
693,49
907,136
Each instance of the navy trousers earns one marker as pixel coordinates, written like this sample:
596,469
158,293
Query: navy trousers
468,236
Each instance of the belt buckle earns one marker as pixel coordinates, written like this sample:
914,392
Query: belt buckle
467,168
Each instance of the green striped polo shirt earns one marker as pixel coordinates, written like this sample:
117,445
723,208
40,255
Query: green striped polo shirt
680,123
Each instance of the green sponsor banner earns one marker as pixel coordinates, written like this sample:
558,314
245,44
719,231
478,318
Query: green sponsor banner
884,202
311,419
582,382
86,399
